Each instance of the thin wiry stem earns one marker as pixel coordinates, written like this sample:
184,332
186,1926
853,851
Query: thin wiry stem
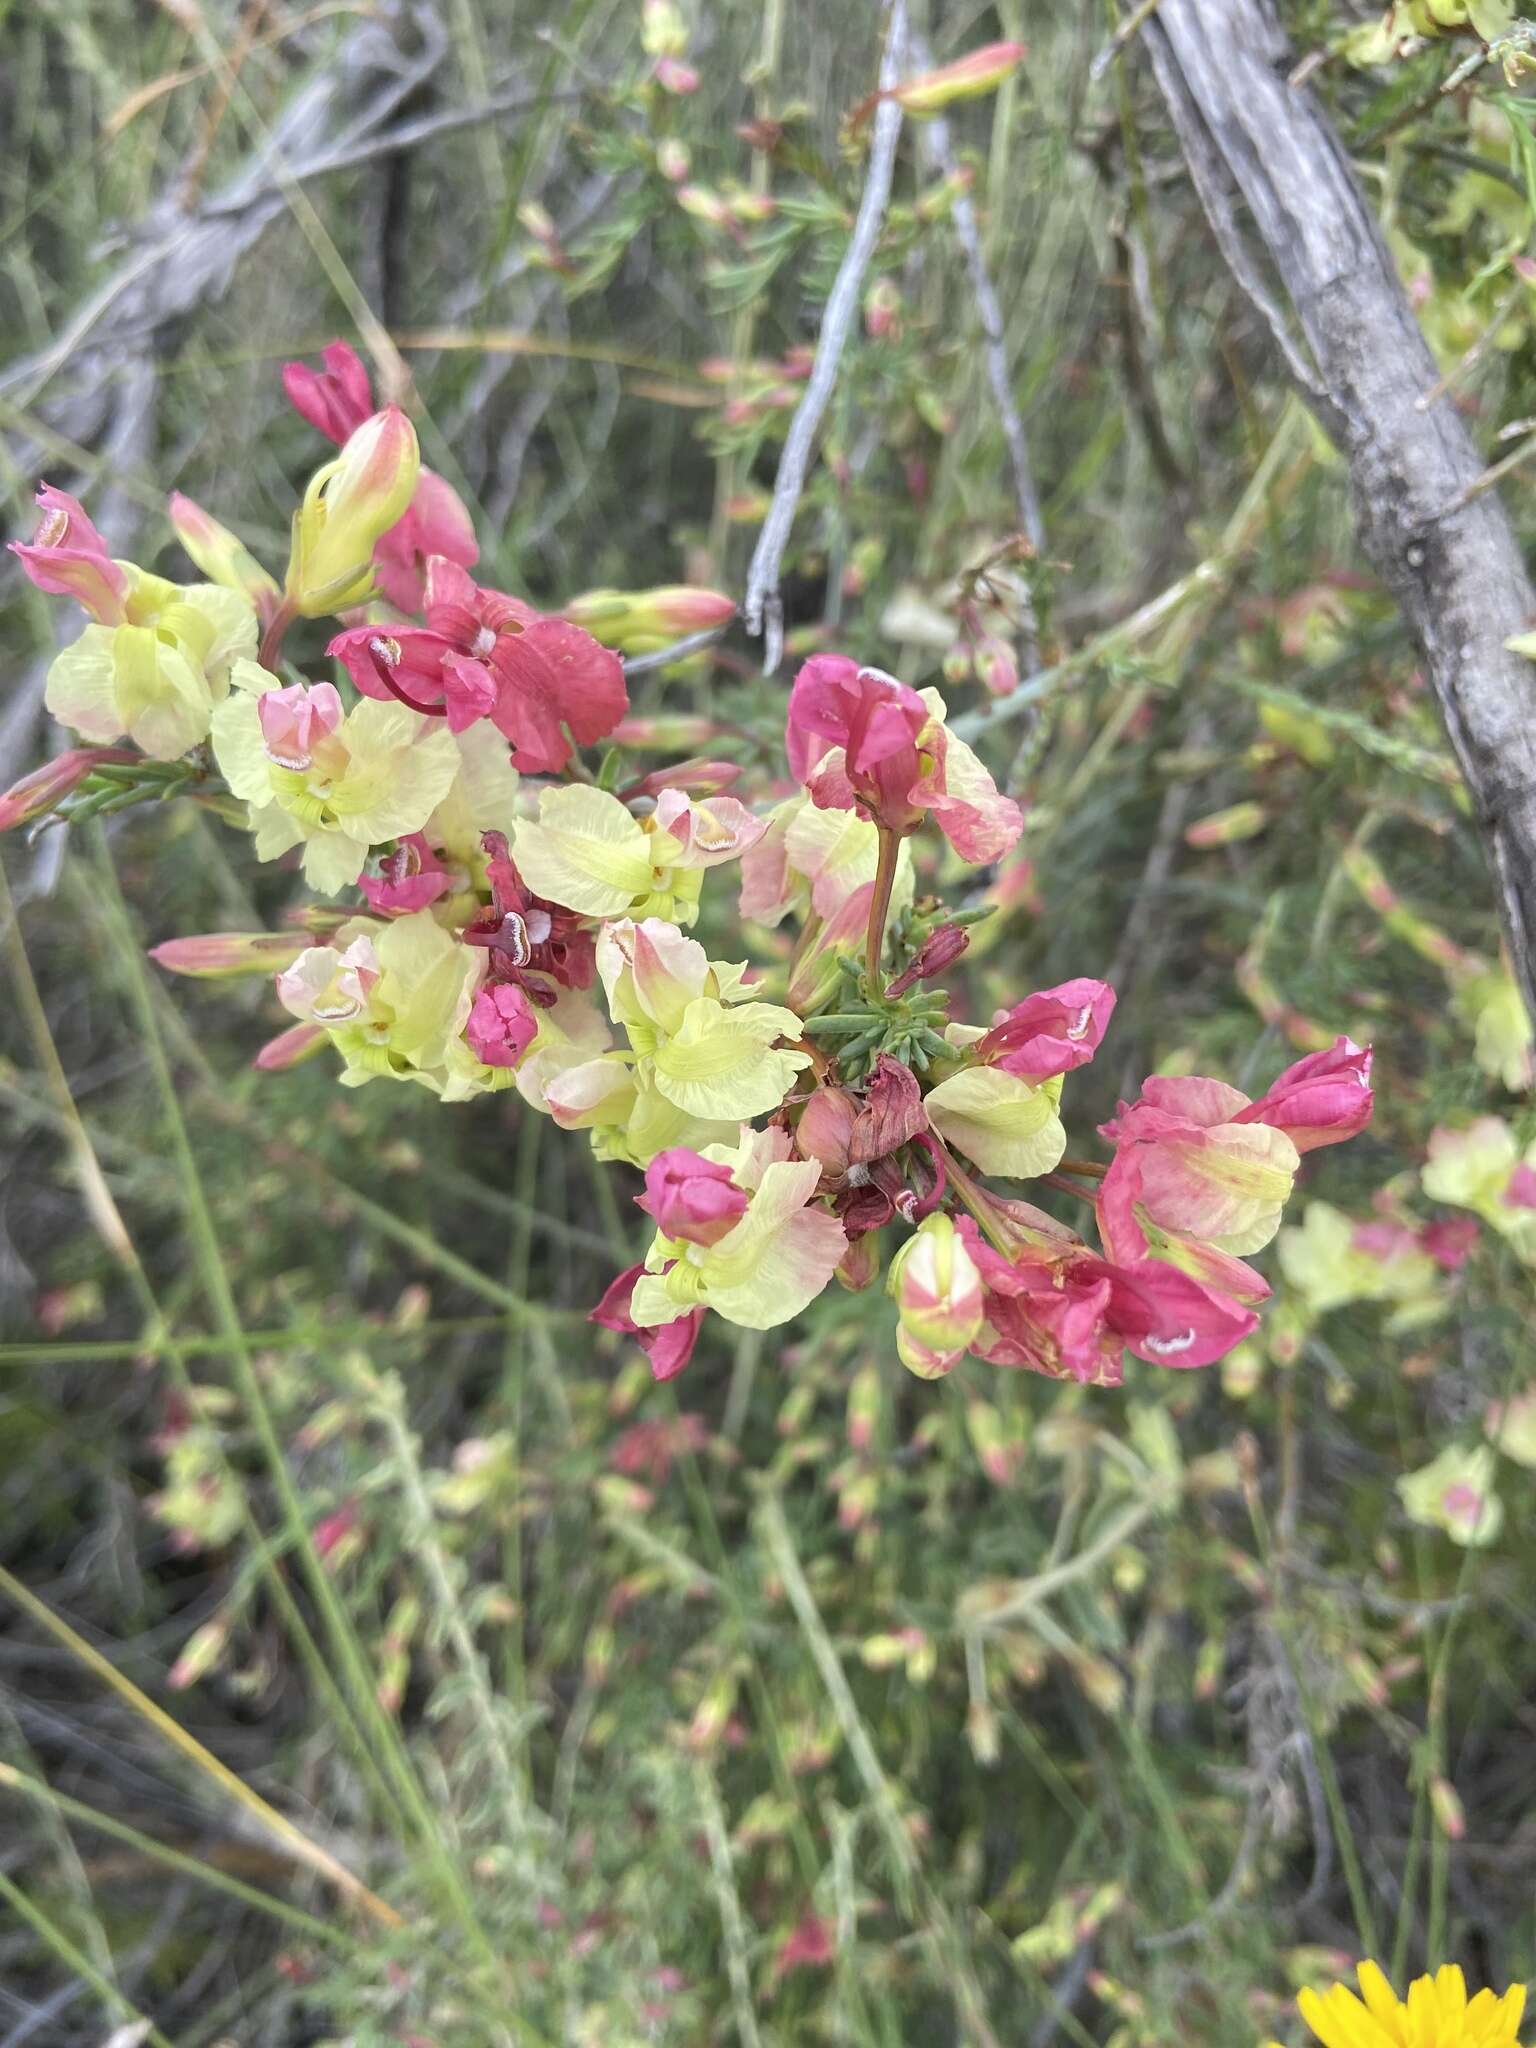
764,608
940,149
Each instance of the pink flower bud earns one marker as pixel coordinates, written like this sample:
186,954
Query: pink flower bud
1321,1100
348,506
502,1024
216,956
691,1197
297,1043
1050,1033
67,557
882,309
673,160
825,1129
337,399
996,665
36,794
295,720
982,71
942,947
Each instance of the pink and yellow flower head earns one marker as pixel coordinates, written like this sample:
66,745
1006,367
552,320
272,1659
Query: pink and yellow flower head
1455,1493
156,677
337,400
1437,2013
772,1262
813,860
1199,1172
859,738
542,682
333,783
590,852
348,505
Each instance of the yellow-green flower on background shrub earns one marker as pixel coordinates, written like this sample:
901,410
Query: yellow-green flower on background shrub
1454,1492
1329,1259
1482,1168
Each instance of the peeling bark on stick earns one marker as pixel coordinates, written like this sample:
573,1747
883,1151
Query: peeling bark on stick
1287,210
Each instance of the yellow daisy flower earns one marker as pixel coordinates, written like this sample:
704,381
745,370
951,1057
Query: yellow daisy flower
1436,2014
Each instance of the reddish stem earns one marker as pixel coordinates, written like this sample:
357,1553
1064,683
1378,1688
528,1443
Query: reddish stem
1088,1168
271,651
879,906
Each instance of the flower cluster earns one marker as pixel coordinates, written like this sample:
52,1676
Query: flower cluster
513,918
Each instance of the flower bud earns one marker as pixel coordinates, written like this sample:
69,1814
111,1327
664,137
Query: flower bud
502,1025
349,505
294,721
37,794
674,76
222,558
938,1293
691,1197
673,160
218,956
983,71
633,620
882,309
67,557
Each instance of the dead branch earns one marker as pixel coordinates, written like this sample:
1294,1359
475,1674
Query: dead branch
1261,147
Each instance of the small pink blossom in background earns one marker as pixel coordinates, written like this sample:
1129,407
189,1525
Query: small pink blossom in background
808,1946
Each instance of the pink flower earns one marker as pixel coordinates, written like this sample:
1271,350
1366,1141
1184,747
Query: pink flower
691,1197
483,654
860,740
873,723
669,1347
810,1943
1201,1173
1130,1237
336,400
1321,1100
295,720
534,943
1060,1310
409,878
1452,1242
1520,1190
502,1024
1051,1032
67,557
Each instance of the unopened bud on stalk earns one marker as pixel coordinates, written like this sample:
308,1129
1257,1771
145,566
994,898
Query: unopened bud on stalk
627,618
937,1290
217,956
663,32
37,794
982,71
222,557
351,504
